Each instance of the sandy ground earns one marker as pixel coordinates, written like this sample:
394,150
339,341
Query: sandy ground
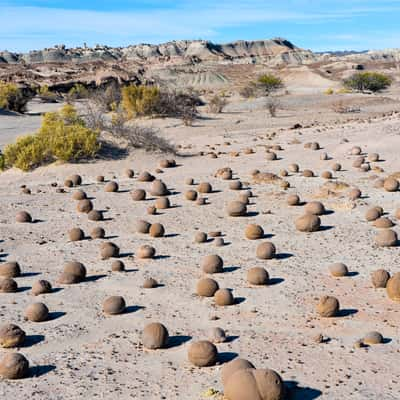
80,353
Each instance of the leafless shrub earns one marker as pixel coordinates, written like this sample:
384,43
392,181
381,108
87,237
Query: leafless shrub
248,91
272,104
118,129
341,108
106,99
217,104
141,137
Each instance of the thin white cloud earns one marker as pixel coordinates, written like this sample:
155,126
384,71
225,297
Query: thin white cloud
22,28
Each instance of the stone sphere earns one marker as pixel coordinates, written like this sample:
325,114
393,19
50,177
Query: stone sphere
254,232
149,283
354,194
37,312
372,214
307,173
356,150
326,175
391,185
8,285
293,200
270,156
324,156
145,176
200,237
11,336
206,287
229,368
109,250
338,270
189,181
129,173
236,209
383,223
79,195
138,194
117,266
156,230
373,157
202,353
260,384
266,251
212,264
97,233
151,210
308,223
114,305
75,268
204,187
328,306
257,276
372,338
393,287
162,203
143,226
95,215
76,234
41,287
75,179
216,335
23,217
145,251
84,206
10,269
219,242
315,208
159,188
14,366
380,278
191,195
99,178
111,186
223,297
155,336
68,279
336,167
294,168
235,185
386,238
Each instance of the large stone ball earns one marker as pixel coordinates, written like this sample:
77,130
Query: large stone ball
202,353
155,336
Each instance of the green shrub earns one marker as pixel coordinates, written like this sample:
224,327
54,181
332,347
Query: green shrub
269,83
368,81
62,136
12,97
139,100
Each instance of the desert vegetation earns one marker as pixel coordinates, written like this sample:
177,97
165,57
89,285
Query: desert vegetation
368,81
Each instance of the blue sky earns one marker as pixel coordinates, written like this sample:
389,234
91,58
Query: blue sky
316,25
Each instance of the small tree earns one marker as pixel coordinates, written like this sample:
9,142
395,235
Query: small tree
269,83
368,81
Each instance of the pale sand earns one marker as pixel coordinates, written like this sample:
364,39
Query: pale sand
83,354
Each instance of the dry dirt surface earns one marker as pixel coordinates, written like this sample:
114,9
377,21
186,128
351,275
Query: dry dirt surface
79,352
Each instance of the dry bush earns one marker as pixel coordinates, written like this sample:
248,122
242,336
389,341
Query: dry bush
13,98
46,95
106,99
272,104
341,108
249,91
217,104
